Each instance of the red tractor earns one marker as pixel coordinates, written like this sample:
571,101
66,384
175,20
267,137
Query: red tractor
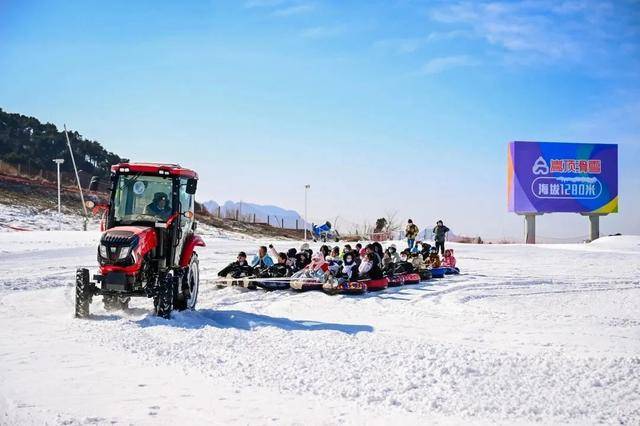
147,247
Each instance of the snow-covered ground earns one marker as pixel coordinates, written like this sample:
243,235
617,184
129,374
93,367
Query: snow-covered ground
547,333
14,218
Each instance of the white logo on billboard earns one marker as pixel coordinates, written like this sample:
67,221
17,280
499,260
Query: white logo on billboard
585,188
540,167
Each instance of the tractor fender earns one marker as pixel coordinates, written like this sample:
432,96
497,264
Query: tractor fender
192,242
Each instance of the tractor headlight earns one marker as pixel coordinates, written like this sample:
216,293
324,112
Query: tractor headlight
124,253
103,252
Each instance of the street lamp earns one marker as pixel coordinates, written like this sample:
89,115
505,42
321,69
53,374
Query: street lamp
306,189
59,161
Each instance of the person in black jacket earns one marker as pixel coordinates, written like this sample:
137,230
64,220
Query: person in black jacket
239,268
278,270
425,251
440,232
302,260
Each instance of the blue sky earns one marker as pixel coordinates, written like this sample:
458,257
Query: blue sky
381,106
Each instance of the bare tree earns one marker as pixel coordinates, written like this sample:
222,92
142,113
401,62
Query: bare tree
393,223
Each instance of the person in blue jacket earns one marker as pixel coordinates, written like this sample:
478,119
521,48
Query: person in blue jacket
262,259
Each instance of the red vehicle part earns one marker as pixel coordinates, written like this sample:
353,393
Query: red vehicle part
161,169
147,241
192,242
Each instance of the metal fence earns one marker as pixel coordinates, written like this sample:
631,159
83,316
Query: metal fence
271,220
43,175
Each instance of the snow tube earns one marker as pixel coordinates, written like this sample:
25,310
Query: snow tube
306,285
376,285
425,275
354,287
273,284
412,278
396,280
438,272
448,270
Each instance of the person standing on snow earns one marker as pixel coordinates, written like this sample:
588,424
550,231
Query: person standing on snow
440,232
411,232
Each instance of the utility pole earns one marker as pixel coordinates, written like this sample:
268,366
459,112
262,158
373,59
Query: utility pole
59,161
306,189
73,160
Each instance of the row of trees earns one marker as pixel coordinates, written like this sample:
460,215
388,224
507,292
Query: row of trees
28,142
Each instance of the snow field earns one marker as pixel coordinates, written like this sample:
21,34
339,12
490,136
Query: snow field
526,334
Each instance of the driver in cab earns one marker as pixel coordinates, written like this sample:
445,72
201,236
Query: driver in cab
159,206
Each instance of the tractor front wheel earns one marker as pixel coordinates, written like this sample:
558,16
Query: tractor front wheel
168,287
84,293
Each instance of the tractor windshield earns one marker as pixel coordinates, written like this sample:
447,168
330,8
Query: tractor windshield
140,198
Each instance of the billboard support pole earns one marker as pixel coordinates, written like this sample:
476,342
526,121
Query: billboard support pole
594,224
530,227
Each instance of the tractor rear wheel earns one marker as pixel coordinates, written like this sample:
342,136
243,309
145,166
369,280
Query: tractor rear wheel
83,293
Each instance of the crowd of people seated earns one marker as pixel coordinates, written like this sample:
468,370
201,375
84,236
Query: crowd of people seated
347,263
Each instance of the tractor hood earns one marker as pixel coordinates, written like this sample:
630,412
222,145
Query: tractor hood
125,246
126,235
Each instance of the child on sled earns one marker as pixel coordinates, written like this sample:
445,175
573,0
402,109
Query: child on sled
448,260
434,260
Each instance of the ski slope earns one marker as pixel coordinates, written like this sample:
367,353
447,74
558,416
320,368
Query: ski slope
547,333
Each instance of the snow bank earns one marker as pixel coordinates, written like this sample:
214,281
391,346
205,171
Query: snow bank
624,244
629,243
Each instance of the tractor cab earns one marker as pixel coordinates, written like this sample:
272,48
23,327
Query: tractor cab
154,195
147,247
143,194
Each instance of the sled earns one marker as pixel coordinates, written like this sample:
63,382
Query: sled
412,278
451,271
425,274
438,272
346,287
395,280
376,285
273,284
244,282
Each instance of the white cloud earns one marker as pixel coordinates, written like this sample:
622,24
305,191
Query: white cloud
282,8
294,9
444,63
544,30
263,3
321,32
404,45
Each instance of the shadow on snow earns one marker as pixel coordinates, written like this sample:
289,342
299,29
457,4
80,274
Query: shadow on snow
246,321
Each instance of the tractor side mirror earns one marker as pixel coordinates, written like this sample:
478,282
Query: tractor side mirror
192,185
94,183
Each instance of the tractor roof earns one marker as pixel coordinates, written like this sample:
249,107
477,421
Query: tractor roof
170,169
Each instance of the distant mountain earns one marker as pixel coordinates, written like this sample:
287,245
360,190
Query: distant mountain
211,206
247,210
